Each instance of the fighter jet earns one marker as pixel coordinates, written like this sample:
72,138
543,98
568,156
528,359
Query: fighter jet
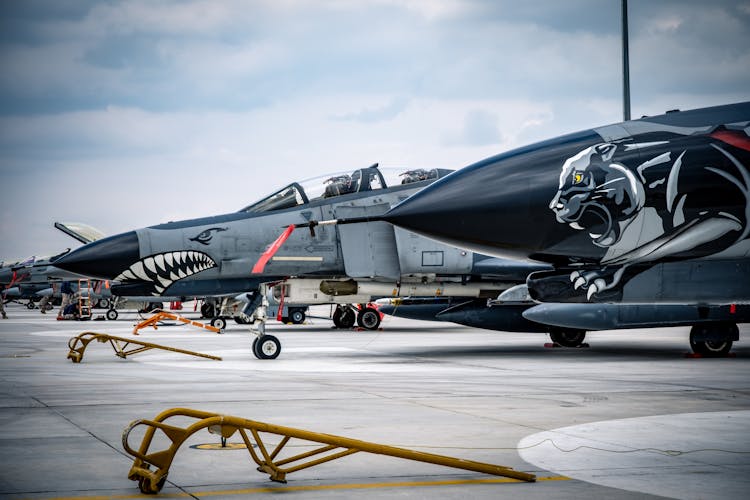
25,279
230,254
633,216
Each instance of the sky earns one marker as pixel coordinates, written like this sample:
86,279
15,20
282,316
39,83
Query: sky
133,113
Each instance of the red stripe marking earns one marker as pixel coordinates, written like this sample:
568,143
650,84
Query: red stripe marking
272,249
736,139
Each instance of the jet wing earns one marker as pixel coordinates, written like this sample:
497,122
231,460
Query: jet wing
79,231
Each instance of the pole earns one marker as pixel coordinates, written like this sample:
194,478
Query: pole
625,64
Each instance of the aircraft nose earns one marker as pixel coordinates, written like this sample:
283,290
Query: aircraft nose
475,208
104,258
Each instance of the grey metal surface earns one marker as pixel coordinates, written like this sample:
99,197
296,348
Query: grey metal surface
369,250
439,388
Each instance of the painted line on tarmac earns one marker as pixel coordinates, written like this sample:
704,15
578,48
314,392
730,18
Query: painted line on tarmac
322,487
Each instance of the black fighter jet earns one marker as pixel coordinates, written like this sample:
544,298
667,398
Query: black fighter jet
633,216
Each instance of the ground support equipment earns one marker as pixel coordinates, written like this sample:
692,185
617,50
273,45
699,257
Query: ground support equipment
150,468
120,345
84,298
160,315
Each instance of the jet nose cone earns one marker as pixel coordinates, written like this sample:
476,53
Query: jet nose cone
470,209
105,258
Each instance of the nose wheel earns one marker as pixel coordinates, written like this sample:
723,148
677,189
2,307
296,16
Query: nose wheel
266,347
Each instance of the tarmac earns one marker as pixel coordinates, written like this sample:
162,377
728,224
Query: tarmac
628,417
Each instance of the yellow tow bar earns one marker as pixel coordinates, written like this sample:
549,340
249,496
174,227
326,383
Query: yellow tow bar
150,468
120,345
153,320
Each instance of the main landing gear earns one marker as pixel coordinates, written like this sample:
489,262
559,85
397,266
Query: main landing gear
713,340
346,315
708,340
567,337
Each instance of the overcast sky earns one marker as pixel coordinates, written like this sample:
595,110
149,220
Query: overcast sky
128,114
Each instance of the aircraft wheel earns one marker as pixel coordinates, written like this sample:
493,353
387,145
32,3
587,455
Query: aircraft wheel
368,318
219,323
154,306
712,348
297,316
567,337
337,318
344,317
207,311
111,314
348,318
266,347
102,303
30,305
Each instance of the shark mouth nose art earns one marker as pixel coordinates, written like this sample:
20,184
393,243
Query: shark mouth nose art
163,269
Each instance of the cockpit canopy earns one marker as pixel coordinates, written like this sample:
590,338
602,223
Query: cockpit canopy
329,186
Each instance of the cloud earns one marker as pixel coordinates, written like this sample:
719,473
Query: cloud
480,128
383,113
230,100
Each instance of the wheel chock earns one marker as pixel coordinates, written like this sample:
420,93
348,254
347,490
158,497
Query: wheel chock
150,468
120,345
153,320
555,345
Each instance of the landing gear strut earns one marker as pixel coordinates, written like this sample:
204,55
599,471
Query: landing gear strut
264,346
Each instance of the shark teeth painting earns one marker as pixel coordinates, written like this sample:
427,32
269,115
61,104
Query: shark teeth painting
163,269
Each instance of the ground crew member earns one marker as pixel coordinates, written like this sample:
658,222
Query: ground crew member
66,289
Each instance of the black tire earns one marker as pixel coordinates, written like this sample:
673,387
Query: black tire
31,305
240,320
153,306
567,337
369,318
111,314
207,311
102,303
297,316
713,348
344,317
266,347
337,318
219,323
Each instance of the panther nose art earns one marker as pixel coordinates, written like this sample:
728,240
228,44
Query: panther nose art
105,258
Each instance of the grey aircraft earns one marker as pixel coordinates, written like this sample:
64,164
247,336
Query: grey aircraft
230,254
